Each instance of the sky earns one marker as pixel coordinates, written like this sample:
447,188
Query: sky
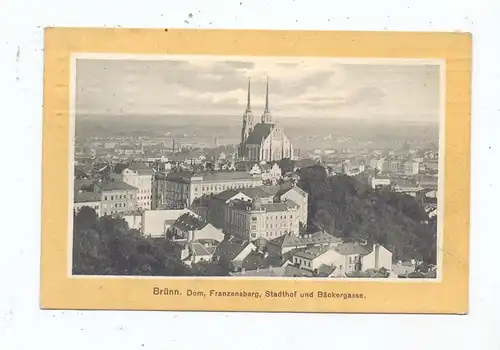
298,87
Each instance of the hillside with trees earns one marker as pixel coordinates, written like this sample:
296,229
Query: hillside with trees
107,246
350,208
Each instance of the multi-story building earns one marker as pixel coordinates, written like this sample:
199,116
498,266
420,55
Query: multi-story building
299,197
182,188
253,219
271,173
159,191
219,204
347,257
116,197
400,167
140,176
87,199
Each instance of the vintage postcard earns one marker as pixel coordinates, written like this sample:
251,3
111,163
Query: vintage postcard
226,170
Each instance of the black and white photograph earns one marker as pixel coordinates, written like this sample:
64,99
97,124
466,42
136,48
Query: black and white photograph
242,167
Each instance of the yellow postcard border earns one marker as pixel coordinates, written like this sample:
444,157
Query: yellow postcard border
58,290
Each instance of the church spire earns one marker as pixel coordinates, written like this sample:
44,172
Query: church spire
266,116
248,97
267,95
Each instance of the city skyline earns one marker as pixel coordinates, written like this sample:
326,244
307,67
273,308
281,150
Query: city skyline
315,87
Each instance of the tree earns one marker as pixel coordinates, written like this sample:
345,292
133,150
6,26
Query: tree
107,246
350,208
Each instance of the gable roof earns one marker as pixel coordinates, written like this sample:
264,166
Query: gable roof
82,197
278,207
351,248
325,270
230,249
312,252
259,132
200,250
289,240
141,168
190,221
292,271
252,192
257,260
114,185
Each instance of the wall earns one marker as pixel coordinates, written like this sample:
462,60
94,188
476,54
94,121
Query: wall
384,260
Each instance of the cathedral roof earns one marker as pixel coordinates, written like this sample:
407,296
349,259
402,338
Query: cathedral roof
260,132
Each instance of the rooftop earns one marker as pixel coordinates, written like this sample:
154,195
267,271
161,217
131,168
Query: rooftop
353,248
200,249
141,168
313,252
190,221
325,270
297,241
279,207
114,185
259,133
81,197
229,249
210,176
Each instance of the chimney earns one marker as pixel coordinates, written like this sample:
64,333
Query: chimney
376,248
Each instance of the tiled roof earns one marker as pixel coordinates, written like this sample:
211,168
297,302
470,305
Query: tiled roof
114,185
81,197
225,175
257,260
190,221
200,249
82,183
226,195
141,168
207,241
325,270
252,192
260,132
313,252
286,241
351,248
229,249
278,207
211,176
292,271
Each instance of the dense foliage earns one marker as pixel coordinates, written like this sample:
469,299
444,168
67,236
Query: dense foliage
350,208
106,246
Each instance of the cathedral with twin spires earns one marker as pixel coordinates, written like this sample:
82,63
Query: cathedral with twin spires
263,141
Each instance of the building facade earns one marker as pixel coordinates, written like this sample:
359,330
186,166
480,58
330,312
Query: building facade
182,188
140,176
87,199
254,219
264,141
116,197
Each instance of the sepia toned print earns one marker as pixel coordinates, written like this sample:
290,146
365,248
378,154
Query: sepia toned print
246,170
256,167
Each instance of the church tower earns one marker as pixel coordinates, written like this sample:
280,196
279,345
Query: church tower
247,125
266,115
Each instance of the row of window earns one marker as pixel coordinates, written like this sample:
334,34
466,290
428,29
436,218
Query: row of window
277,225
118,196
211,188
282,217
301,261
